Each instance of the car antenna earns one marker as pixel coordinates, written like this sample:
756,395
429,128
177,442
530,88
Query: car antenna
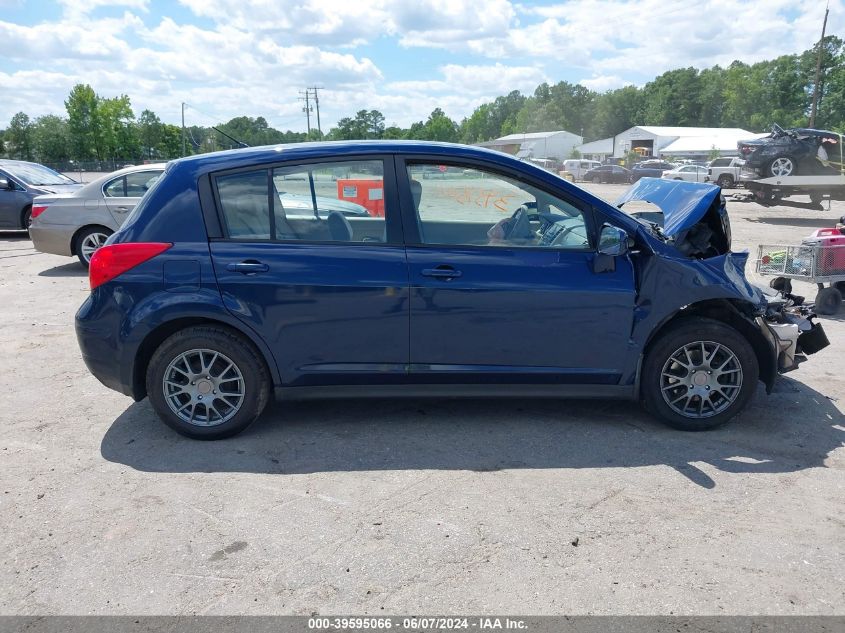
231,138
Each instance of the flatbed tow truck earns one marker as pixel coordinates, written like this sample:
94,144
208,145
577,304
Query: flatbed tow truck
818,188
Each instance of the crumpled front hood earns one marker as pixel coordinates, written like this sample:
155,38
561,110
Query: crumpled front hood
684,204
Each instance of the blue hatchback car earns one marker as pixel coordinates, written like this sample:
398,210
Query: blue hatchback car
472,274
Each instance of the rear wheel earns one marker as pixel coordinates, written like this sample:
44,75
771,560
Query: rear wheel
781,166
699,375
725,181
207,382
26,218
88,241
828,301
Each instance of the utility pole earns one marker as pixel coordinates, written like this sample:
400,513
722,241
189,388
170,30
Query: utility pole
317,104
183,128
307,109
818,71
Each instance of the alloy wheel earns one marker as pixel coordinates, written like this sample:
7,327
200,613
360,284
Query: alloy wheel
782,166
701,379
91,243
203,387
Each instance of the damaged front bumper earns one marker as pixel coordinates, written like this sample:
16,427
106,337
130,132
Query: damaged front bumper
793,335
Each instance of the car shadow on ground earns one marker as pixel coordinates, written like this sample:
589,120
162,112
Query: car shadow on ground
14,235
793,429
814,223
73,269
810,206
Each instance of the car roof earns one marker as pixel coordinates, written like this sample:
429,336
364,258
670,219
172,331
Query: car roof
329,149
97,183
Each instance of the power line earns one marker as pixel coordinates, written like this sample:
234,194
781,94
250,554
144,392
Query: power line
317,104
307,109
816,91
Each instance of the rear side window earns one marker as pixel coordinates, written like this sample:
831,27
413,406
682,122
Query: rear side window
115,188
340,201
133,185
245,204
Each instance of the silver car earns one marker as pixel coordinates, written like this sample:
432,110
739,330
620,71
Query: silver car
79,223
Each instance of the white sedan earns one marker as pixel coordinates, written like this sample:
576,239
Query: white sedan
690,173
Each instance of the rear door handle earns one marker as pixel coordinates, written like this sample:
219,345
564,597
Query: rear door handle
441,272
249,267
121,209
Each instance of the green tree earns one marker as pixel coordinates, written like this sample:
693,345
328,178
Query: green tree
170,142
366,124
393,132
440,127
83,122
51,139
150,131
117,131
615,111
19,137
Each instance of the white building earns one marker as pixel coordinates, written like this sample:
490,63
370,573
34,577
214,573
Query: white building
557,144
597,150
681,142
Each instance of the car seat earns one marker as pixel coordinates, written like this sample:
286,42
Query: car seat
339,227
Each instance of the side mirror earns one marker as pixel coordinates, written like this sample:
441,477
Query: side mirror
4,183
613,241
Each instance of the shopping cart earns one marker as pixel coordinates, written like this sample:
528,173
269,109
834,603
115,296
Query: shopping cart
819,260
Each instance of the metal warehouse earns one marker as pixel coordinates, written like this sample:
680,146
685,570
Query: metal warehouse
557,144
681,142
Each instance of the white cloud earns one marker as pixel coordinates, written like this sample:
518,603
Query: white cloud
602,83
254,56
79,8
476,80
615,37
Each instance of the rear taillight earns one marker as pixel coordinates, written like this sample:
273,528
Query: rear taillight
37,210
115,259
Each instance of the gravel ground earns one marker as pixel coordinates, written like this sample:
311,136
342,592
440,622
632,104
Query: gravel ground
423,506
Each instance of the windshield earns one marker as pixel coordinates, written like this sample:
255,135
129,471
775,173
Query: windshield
37,175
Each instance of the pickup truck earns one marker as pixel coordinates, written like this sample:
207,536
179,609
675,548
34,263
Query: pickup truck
725,171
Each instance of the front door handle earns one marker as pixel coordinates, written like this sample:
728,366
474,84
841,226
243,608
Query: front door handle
248,267
441,272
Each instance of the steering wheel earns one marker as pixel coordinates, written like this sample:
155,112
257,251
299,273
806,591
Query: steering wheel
518,227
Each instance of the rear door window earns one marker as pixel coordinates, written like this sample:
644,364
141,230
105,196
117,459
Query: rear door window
338,201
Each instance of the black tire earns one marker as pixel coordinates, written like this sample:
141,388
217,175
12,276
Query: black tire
228,343
691,332
816,199
828,301
840,286
80,241
26,218
725,181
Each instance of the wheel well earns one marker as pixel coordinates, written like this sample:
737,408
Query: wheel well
739,316
23,214
156,337
79,231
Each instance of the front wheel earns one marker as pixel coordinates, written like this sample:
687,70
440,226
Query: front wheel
207,382
699,374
